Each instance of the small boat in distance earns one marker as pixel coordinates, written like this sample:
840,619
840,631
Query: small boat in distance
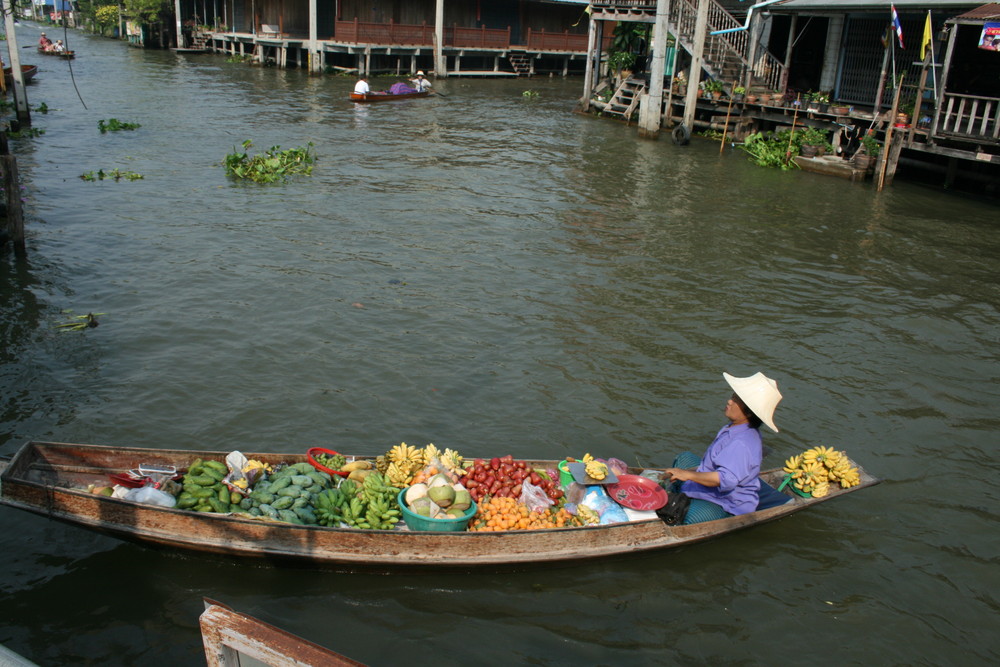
384,96
28,72
65,55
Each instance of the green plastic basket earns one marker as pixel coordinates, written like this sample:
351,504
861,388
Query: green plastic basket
422,523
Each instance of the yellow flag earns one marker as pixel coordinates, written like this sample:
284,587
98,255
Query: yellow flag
927,36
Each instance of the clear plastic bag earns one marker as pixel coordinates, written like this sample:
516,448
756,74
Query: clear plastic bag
149,495
534,497
598,500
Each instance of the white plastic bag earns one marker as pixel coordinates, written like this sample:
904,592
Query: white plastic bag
534,497
149,495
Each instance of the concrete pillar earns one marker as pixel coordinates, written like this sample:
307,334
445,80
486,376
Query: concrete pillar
697,58
440,68
651,105
315,61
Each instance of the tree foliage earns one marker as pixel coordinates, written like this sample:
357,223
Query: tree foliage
148,11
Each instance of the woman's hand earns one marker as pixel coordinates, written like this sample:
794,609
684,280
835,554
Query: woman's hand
703,478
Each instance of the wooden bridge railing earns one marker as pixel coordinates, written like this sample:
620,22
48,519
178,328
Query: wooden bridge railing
969,116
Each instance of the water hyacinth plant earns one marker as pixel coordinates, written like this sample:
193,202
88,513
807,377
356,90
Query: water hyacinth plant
115,125
271,166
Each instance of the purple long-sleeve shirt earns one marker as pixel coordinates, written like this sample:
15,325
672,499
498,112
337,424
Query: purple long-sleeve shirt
735,454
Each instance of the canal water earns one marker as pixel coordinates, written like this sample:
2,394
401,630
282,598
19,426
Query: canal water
488,271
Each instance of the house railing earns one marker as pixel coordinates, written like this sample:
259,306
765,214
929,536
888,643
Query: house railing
364,32
481,38
968,116
557,41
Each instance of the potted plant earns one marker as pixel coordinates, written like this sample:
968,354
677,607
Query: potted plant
778,97
866,155
751,98
819,100
812,142
712,88
904,114
738,93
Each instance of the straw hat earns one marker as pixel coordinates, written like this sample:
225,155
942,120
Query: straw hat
760,393
420,73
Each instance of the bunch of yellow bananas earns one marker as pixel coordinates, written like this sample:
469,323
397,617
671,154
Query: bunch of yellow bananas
815,469
587,515
452,461
596,469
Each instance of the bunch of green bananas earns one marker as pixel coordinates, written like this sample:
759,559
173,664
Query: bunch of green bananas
373,506
328,506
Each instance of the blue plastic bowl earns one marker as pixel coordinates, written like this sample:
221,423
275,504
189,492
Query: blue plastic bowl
416,522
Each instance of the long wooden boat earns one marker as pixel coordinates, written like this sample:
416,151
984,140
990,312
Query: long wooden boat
65,55
386,97
50,479
28,73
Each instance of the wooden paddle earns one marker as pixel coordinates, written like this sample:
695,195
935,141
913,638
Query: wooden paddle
437,93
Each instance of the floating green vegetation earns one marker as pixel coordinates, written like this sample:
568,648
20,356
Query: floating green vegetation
6,105
770,151
530,94
273,165
42,108
115,125
238,58
710,134
79,322
26,133
115,174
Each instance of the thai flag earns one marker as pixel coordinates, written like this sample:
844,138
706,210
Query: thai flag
897,26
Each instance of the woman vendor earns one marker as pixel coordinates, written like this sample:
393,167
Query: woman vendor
724,482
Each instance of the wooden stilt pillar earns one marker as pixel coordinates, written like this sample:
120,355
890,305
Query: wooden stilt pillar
12,190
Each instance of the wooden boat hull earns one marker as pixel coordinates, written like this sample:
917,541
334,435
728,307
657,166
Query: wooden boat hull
28,73
65,55
385,97
50,479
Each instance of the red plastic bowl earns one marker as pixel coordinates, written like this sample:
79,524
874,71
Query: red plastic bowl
319,466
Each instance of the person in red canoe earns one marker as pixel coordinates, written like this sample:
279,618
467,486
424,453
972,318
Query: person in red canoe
44,43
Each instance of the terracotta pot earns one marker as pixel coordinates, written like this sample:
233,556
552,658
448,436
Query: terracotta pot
808,150
751,99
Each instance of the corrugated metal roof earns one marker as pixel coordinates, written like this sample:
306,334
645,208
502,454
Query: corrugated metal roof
984,13
791,6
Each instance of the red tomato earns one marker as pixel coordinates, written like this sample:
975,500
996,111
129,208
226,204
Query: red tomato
495,463
494,487
490,480
521,464
481,477
536,479
516,491
479,463
508,459
471,484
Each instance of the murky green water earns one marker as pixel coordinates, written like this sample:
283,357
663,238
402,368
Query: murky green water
494,274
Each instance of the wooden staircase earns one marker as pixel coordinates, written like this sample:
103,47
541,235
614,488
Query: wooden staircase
625,100
520,61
